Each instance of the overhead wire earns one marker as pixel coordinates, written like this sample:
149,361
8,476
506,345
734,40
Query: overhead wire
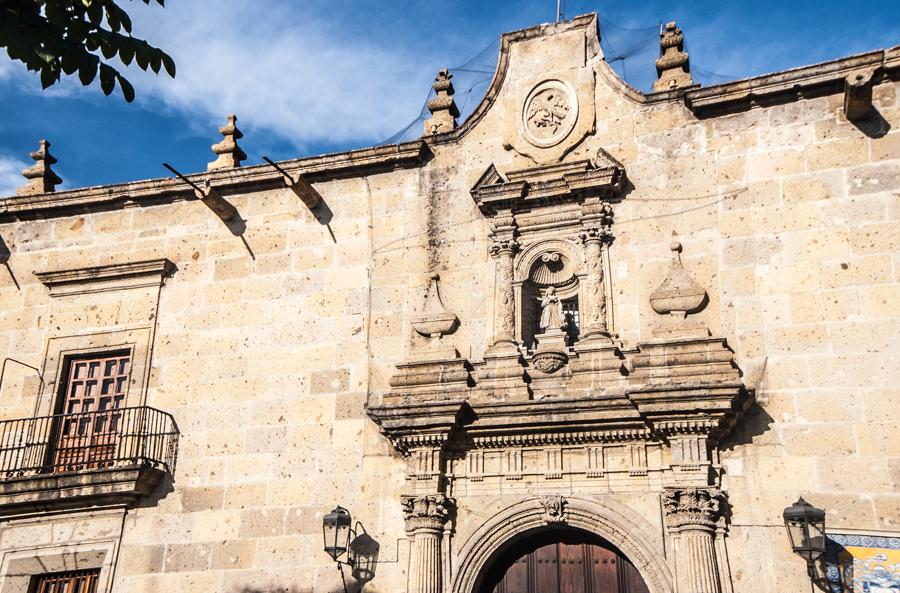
621,46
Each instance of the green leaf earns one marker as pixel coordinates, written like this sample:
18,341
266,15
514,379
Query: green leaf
56,15
49,76
126,53
95,14
126,21
107,79
107,48
87,71
169,64
156,60
142,56
127,89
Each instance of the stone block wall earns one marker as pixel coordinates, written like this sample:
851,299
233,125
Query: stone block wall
789,219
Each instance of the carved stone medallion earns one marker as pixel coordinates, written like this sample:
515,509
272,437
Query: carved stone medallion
550,113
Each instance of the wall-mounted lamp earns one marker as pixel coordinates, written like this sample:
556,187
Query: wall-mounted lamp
341,538
336,532
805,526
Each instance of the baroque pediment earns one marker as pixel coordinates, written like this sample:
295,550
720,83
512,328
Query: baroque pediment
559,183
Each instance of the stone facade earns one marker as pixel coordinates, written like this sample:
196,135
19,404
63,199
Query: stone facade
365,329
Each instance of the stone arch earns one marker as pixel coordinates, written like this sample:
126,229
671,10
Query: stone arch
615,523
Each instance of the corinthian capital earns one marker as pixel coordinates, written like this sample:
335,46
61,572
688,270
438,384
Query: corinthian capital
504,246
426,512
693,507
597,234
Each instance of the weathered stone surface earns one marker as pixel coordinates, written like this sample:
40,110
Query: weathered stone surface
314,373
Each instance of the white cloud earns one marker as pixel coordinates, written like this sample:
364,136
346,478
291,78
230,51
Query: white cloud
11,175
281,69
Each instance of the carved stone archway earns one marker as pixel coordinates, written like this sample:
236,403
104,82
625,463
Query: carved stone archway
618,525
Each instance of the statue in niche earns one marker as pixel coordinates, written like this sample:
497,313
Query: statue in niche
552,317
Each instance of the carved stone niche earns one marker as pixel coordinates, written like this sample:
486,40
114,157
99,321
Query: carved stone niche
550,227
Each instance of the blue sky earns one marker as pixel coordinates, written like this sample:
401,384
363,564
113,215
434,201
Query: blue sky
310,76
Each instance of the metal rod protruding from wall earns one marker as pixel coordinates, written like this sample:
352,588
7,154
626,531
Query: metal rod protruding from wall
209,196
300,186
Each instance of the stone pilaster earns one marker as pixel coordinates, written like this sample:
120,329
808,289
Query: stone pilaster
692,517
425,518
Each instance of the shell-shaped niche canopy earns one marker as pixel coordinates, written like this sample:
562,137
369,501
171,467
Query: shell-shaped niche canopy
552,269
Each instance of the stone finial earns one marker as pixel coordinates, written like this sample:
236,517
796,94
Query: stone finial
230,154
678,294
435,320
41,178
442,107
673,68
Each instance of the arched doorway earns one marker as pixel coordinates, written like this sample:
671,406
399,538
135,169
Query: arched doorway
562,561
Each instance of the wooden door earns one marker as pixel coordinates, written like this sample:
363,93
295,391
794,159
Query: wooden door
91,413
570,568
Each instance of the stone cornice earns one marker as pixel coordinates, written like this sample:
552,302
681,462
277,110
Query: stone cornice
166,190
109,277
425,424
787,85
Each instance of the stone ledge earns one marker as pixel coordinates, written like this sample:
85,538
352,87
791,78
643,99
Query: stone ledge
108,277
119,485
167,190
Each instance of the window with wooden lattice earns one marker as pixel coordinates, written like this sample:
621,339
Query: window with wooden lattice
76,581
89,411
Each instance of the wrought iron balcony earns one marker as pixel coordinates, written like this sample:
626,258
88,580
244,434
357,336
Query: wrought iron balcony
102,453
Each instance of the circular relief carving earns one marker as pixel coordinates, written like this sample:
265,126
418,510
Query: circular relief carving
550,113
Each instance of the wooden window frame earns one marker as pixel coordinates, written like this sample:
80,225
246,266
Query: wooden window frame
70,581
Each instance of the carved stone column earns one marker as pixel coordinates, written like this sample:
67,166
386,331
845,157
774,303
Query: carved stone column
692,515
596,231
425,520
594,302
504,252
503,372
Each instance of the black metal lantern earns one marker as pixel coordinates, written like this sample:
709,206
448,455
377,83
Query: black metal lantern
336,532
806,529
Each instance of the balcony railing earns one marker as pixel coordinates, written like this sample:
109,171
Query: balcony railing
105,439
